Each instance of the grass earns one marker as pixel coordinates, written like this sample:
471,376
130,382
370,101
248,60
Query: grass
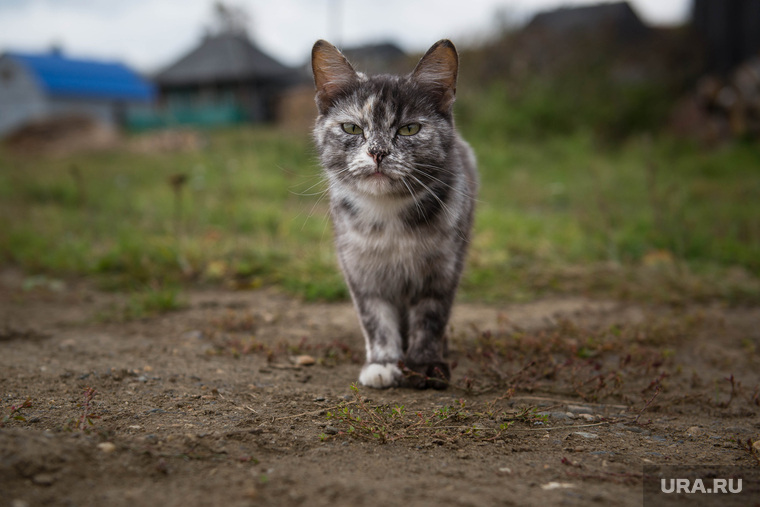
648,219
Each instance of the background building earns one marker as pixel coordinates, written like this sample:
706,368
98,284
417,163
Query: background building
37,87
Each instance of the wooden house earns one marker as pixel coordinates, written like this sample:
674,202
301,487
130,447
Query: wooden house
225,79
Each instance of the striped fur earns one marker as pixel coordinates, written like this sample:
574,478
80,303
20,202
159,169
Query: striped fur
401,205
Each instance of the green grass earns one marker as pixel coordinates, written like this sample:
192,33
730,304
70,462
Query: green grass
650,219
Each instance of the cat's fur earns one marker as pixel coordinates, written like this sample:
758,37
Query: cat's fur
401,205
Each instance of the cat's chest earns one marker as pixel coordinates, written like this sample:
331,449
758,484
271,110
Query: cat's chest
381,231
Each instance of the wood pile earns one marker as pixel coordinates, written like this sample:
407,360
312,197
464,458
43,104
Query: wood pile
721,109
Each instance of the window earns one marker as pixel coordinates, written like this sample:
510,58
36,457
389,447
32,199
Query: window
6,75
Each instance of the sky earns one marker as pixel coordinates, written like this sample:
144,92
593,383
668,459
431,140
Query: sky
151,34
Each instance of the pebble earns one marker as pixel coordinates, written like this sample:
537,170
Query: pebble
756,445
695,431
586,434
331,430
505,470
305,360
107,447
556,485
579,409
43,479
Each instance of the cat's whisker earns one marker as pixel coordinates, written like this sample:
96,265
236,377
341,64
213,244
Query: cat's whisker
445,209
451,187
313,207
420,212
306,192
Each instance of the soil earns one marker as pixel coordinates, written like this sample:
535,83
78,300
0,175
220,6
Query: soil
561,401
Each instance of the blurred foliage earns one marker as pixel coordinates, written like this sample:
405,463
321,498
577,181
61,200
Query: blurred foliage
583,192
537,84
651,218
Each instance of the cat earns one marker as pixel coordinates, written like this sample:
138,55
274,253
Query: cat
402,187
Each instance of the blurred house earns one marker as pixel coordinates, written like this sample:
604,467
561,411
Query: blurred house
615,20
730,31
225,79
572,37
44,86
381,58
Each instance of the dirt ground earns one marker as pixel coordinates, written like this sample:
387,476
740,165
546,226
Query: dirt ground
557,402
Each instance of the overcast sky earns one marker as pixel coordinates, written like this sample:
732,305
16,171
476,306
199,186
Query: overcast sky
149,34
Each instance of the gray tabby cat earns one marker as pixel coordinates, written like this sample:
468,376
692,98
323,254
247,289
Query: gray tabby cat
402,185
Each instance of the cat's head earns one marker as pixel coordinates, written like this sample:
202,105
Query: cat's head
385,135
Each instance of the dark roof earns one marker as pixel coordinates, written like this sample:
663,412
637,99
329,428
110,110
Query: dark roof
61,76
567,20
375,58
225,57
385,50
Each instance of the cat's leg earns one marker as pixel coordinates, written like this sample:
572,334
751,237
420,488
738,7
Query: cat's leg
427,343
380,324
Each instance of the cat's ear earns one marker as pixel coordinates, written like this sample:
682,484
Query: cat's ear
437,71
332,73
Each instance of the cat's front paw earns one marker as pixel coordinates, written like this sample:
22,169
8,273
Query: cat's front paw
380,375
433,375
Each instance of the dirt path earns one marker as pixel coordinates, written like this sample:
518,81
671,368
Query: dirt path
205,406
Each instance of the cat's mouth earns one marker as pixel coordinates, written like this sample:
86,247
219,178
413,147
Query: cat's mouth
378,182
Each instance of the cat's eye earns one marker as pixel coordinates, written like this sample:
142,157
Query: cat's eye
409,130
350,128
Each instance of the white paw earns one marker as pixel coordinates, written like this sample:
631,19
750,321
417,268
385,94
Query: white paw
379,375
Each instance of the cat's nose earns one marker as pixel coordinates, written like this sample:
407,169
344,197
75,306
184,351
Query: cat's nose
377,155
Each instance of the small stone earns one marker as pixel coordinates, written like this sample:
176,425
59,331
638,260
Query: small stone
695,431
556,485
579,409
330,430
319,398
756,445
505,470
107,447
67,344
586,434
43,479
587,417
304,360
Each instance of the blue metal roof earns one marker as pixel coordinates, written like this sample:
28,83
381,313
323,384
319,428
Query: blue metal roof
67,77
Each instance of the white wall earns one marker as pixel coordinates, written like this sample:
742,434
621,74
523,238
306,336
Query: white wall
21,98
